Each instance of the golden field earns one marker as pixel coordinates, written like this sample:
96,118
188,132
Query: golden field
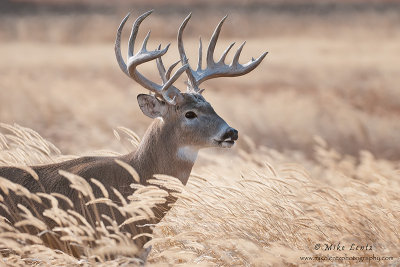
317,161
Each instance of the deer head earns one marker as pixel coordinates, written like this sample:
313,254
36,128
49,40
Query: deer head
187,115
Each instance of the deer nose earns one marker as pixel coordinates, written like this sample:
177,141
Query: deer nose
231,133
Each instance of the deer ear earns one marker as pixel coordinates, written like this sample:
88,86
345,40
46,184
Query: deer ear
151,106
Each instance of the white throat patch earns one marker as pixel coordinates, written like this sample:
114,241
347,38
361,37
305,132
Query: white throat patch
188,153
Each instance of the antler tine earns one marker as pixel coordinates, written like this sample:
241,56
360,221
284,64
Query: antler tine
235,60
167,85
192,84
144,45
181,49
130,68
135,29
213,42
222,58
168,74
165,75
117,47
161,68
200,55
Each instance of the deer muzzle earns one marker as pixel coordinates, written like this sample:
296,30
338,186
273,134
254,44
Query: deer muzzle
228,138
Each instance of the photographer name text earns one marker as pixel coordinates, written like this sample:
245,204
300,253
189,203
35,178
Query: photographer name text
342,247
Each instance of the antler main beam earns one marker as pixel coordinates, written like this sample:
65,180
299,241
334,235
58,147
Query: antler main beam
166,90
214,69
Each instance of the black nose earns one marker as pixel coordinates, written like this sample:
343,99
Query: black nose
231,133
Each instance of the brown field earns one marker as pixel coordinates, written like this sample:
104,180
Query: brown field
317,161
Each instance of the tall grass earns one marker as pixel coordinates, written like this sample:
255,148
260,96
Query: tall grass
60,234
316,161
257,210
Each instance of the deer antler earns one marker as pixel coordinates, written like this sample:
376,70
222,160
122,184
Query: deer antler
166,91
214,69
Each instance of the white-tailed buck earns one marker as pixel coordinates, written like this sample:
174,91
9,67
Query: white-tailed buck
184,122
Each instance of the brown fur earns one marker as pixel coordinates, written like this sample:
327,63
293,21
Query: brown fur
156,154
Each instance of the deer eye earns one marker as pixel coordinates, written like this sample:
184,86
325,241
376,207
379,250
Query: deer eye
190,115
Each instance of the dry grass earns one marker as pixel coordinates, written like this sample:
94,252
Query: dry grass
316,162
260,211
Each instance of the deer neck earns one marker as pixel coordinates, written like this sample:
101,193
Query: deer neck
160,152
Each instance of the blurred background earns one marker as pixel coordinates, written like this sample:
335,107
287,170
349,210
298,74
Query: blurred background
332,70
